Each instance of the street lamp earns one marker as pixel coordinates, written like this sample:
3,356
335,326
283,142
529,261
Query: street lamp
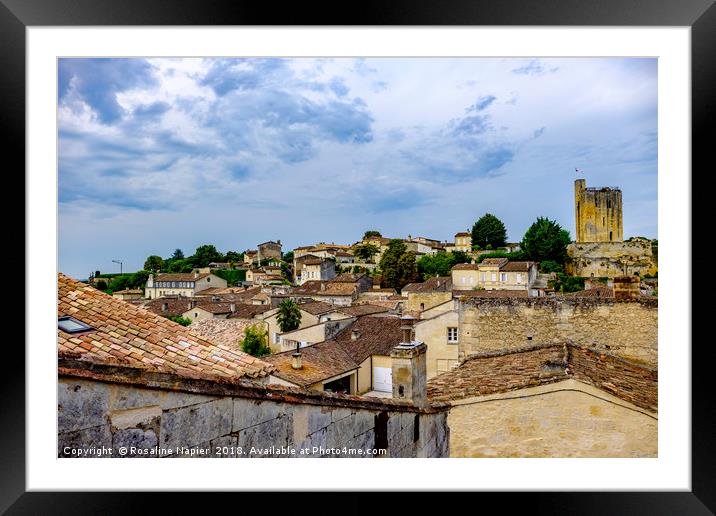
120,265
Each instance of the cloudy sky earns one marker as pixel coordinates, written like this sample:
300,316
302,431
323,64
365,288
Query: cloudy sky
158,154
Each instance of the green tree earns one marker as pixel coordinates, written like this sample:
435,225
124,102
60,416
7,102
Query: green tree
101,285
234,257
440,264
288,316
154,264
179,266
398,265
288,257
178,254
138,279
119,282
179,319
489,230
371,233
365,252
545,240
255,342
205,254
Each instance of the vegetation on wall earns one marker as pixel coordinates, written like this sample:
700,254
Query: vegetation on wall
565,283
232,276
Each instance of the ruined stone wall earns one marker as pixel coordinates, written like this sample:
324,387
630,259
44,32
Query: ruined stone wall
93,414
628,329
610,259
563,419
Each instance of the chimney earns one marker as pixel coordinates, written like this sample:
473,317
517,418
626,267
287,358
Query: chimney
355,335
165,307
232,307
406,328
409,369
296,364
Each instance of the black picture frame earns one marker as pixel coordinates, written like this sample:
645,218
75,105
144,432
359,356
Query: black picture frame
700,15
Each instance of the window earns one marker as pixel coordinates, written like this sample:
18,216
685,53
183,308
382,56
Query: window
422,306
276,338
416,428
72,325
482,277
503,277
493,276
452,335
518,277
208,279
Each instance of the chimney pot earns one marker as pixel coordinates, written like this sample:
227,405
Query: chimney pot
296,364
355,335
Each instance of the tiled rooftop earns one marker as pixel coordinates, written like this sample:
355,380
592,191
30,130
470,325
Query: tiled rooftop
376,336
437,284
319,362
124,334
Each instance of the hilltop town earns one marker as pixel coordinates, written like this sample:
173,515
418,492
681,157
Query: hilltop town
472,347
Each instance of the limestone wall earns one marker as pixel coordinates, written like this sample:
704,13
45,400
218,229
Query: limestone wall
626,329
425,300
95,414
564,419
611,259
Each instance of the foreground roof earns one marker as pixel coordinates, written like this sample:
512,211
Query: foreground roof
124,334
507,370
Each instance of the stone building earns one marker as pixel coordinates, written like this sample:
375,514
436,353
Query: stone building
550,400
310,267
269,250
429,293
599,249
598,212
180,284
496,274
627,327
133,384
463,242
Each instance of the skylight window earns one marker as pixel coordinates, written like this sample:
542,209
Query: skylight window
72,325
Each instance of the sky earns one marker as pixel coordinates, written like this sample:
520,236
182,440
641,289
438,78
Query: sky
167,153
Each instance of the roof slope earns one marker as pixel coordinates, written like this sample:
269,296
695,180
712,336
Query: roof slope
436,284
124,334
319,362
377,335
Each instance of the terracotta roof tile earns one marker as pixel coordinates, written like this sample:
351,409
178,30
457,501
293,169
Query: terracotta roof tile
110,318
320,362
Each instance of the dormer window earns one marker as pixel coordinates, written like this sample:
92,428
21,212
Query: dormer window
72,325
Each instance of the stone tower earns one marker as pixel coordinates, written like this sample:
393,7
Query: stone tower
598,213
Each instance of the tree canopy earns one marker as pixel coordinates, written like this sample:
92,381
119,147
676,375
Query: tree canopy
233,257
440,264
371,233
289,315
398,265
178,254
489,231
154,264
254,342
545,240
366,251
205,254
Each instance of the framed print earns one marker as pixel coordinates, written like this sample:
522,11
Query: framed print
413,234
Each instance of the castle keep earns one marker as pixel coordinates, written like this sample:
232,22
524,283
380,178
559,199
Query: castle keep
599,249
598,213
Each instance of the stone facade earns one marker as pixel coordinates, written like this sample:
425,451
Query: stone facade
198,418
611,259
564,419
598,212
626,328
